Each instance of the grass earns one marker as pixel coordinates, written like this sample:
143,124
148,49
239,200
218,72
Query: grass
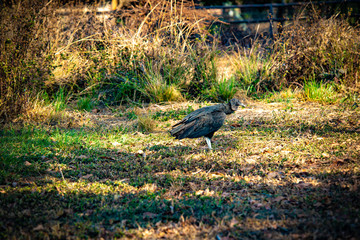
320,92
275,172
223,90
159,91
253,69
85,103
151,56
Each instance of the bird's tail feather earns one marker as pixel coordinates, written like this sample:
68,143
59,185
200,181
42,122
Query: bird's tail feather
181,131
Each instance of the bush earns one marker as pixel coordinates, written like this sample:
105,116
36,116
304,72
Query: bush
324,50
24,58
41,51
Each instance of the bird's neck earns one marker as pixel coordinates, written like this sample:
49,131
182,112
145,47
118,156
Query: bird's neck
227,109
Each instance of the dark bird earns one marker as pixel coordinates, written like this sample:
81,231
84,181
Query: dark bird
205,121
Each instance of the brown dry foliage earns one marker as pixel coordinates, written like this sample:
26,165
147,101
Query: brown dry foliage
152,15
43,47
321,49
24,62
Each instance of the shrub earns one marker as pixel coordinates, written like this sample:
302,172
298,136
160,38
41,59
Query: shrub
325,50
24,60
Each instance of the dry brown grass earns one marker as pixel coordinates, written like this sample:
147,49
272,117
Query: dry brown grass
85,53
24,56
323,49
144,121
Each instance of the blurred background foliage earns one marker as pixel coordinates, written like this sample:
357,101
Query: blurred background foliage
54,54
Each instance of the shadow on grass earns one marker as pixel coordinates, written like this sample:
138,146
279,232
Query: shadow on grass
323,211
168,183
294,128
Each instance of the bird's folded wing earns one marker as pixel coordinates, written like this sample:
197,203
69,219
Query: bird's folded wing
199,126
198,114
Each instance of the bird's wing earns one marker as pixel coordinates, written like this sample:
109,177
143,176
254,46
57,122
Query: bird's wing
209,123
197,114
199,125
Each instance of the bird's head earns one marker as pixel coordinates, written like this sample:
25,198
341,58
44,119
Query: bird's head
235,103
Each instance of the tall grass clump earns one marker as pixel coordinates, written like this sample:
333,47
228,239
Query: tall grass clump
60,99
223,90
319,92
254,68
204,69
324,50
41,111
160,91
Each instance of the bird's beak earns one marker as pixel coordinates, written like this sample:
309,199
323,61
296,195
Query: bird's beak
243,105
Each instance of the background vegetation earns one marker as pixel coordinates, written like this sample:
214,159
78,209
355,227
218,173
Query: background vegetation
168,53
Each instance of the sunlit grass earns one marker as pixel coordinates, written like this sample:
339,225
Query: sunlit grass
223,90
319,92
85,103
262,165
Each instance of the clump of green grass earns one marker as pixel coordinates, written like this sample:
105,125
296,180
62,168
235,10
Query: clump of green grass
319,92
253,69
60,99
205,71
224,90
85,103
160,91
285,95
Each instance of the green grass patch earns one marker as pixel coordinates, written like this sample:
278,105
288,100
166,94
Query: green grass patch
320,92
85,103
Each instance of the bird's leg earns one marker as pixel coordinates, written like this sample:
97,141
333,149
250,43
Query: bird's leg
208,141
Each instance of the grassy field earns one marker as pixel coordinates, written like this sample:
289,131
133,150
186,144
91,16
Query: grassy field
279,170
